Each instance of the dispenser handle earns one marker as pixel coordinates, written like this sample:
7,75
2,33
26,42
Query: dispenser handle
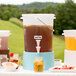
0,42
21,18
62,33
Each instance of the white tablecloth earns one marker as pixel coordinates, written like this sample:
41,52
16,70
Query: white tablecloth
21,72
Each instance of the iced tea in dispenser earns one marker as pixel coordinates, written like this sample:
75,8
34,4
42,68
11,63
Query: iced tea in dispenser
38,27
45,31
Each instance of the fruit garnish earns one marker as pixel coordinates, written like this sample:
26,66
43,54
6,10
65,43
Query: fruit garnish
71,67
11,54
64,66
56,68
11,60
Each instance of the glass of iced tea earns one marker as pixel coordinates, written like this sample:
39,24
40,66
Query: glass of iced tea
38,65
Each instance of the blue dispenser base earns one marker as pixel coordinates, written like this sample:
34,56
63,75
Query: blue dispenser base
28,60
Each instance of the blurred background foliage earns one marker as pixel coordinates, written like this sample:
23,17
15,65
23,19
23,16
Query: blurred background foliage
65,19
65,13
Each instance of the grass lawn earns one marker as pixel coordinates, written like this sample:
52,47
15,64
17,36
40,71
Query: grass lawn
58,47
16,40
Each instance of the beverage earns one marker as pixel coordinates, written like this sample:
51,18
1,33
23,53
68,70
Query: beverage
70,39
4,34
38,65
46,31
4,43
70,43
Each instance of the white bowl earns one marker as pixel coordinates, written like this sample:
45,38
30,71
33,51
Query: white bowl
11,67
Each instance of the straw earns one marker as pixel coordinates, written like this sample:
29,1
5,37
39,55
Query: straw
42,21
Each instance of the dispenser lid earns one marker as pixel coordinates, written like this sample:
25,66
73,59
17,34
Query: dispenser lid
4,33
70,33
38,19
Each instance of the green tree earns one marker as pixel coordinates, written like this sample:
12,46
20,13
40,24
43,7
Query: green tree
48,9
0,14
27,10
35,10
7,11
6,15
65,17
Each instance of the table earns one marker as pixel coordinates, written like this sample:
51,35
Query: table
21,72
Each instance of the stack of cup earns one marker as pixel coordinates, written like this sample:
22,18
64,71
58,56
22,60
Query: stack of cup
70,45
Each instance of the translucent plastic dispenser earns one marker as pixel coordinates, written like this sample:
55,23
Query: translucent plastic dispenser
70,47
38,33
4,34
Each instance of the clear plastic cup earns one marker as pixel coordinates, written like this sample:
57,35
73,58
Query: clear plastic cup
38,65
38,32
70,39
4,39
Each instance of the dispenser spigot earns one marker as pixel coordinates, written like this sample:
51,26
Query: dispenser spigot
38,49
38,46
38,40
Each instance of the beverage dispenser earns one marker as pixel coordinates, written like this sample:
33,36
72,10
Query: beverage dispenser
70,47
4,42
38,34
